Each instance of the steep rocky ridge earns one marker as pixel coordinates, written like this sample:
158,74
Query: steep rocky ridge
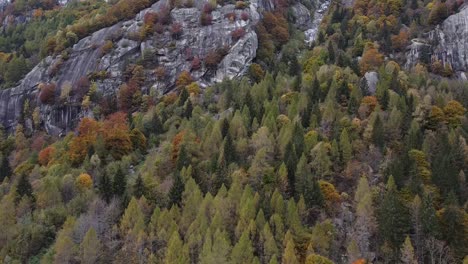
448,42
173,54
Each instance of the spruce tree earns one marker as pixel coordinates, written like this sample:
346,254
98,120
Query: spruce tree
393,217
24,187
119,184
139,187
5,169
175,194
378,133
105,187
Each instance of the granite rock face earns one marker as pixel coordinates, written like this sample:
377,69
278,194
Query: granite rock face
448,43
174,53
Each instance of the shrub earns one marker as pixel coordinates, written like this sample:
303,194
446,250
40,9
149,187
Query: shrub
238,34
241,5
206,19
150,18
212,59
176,30
193,88
164,15
54,68
196,64
47,95
160,73
188,54
82,87
208,8
184,79
231,16
245,16
159,28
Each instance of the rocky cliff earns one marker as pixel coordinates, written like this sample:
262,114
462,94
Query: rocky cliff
448,43
164,50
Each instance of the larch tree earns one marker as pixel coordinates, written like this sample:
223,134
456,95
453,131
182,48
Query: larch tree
407,252
243,251
90,248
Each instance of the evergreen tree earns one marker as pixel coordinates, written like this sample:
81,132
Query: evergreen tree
139,188
24,187
184,95
5,169
105,187
378,133
453,227
188,109
312,193
392,217
183,159
331,52
175,194
119,184
290,159
345,147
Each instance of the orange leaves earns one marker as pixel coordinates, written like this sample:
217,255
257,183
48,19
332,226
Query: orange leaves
184,79
87,134
400,41
84,181
371,59
116,135
114,130
176,144
45,156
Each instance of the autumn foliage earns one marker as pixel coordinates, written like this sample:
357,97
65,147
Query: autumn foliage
371,59
46,155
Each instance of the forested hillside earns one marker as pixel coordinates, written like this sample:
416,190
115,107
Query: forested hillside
331,153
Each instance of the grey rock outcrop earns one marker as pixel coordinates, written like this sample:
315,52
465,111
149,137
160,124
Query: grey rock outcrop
175,54
448,43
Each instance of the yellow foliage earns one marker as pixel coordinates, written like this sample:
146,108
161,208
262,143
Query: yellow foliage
84,181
